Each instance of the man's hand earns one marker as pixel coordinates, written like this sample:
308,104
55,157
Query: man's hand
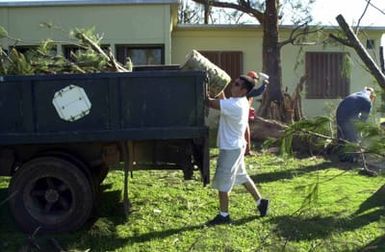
207,96
213,103
221,95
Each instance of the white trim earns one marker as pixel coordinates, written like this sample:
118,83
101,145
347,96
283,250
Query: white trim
259,27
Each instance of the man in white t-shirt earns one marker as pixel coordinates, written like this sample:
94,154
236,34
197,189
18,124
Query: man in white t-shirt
234,114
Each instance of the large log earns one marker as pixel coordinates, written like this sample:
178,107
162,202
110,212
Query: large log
353,41
261,129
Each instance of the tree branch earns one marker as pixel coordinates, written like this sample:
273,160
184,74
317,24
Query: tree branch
341,40
362,53
363,14
375,7
294,36
86,40
244,6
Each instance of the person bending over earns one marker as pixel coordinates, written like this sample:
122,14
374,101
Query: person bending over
353,108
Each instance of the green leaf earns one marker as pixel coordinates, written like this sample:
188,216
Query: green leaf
3,32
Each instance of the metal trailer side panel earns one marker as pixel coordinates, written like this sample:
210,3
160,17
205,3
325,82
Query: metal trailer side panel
130,106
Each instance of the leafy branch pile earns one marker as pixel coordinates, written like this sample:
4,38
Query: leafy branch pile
89,57
318,136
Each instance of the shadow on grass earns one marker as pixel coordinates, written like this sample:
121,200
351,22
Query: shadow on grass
375,200
169,232
108,203
7,223
308,228
377,245
102,233
275,176
302,228
112,241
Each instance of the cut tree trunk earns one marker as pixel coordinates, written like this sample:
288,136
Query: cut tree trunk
262,129
289,110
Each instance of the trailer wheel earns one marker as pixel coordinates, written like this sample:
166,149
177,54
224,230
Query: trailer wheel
50,193
78,163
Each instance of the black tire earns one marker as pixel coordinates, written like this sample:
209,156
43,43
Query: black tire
50,193
80,164
96,175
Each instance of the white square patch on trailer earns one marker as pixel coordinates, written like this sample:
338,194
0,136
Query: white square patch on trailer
71,103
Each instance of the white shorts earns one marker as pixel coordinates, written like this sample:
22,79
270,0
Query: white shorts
230,170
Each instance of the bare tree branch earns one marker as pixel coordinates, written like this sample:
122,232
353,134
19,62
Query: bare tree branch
87,40
375,7
363,14
295,34
362,53
243,6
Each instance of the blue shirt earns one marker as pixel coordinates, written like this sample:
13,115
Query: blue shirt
254,92
356,106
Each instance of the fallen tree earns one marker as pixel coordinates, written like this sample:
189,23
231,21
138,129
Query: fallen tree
352,40
262,129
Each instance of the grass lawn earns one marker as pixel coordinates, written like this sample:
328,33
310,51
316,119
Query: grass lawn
168,214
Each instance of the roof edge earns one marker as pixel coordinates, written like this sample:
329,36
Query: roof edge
42,3
257,27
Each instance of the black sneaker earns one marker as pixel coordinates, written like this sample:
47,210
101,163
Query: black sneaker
219,219
263,207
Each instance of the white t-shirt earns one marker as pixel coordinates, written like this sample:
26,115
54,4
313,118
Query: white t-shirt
232,123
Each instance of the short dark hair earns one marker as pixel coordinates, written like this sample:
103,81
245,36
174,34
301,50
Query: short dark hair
248,82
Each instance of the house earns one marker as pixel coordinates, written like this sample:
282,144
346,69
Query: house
140,28
147,31
335,70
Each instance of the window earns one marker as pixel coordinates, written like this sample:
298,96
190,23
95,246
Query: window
140,54
328,78
229,61
68,50
370,44
25,49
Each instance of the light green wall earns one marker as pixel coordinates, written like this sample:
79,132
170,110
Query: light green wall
249,41
359,76
4,17
120,24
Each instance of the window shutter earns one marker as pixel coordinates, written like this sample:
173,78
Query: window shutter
326,77
229,61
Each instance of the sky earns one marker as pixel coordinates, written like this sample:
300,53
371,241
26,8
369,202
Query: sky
326,10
